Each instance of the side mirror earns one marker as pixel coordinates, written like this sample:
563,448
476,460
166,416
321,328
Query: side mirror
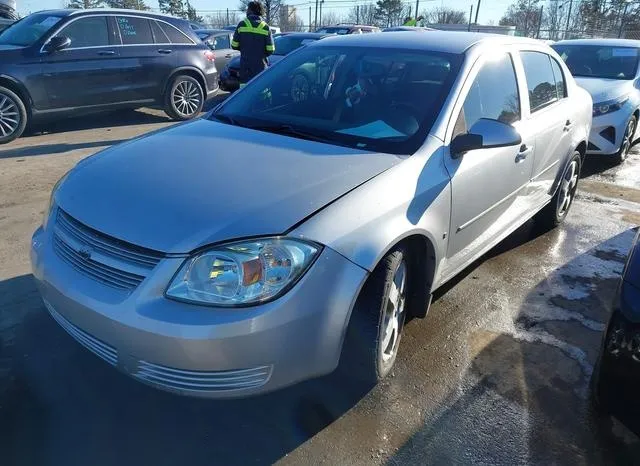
636,83
57,43
485,134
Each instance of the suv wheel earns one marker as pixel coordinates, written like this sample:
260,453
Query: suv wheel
185,98
13,116
377,320
627,140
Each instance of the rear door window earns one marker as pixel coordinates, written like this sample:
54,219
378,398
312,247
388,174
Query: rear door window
221,42
134,31
540,80
91,31
561,86
174,35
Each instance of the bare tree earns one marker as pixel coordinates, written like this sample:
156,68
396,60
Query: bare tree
330,18
363,14
84,4
524,15
221,19
445,15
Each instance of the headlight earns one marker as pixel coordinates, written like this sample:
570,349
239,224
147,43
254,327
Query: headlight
242,273
609,106
47,210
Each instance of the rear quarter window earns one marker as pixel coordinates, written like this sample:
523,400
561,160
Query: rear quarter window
541,82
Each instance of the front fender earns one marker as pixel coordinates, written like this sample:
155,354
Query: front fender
411,198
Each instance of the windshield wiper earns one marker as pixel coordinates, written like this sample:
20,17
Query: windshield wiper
288,130
226,119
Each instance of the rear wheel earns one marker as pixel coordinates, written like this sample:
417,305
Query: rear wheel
374,332
627,140
185,98
13,116
556,211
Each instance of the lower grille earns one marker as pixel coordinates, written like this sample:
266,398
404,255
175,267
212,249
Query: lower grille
592,146
99,348
609,134
200,381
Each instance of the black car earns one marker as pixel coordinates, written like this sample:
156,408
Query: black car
616,377
71,61
219,40
285,43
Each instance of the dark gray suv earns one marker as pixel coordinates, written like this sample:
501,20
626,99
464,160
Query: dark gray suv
77,61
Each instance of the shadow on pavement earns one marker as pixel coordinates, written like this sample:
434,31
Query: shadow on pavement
50,149
59,404
525,398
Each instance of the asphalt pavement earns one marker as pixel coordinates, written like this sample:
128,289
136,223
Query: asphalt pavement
497,373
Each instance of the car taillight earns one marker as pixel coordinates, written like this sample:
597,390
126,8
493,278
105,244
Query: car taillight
209,55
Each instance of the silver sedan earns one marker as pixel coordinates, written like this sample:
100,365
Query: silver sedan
285,232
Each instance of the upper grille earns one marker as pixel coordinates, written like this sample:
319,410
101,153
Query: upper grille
108,260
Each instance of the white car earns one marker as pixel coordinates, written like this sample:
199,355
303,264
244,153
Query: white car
608,70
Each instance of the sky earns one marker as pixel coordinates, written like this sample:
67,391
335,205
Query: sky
490,10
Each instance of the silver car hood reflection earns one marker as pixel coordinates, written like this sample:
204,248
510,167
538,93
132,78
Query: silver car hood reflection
205,182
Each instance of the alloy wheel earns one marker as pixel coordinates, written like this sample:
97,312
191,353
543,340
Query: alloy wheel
9,116
394,311
568,188
627,139
186,98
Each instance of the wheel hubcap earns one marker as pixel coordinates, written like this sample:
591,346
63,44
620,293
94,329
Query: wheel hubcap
394,314
186,98
568,188
9,116
626,140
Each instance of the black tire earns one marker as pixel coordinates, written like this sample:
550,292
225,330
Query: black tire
184,99
627,140
370,351
13,115
554,213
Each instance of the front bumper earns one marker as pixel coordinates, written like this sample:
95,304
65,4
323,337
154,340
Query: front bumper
203,351
608,125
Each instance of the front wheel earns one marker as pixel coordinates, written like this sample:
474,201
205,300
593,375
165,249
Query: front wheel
556,211
13,116
378,317
627,140
185,98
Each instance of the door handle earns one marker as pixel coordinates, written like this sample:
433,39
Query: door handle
523,152
228,55
106,52
567,126
164,51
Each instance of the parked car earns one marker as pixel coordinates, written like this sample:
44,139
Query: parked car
616,377
64,62
285,44
309,229
608,69
342,29
219,40
273,29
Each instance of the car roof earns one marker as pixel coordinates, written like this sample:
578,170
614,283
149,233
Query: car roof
79,12
435,41
610,42
307,35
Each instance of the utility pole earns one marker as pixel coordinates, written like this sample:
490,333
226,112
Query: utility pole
315,23
357,14
417,5
477,11
309,19
539,21
470,16
566,29
321,2
227,16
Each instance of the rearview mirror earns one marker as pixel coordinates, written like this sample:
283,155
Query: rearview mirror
485,134
57,43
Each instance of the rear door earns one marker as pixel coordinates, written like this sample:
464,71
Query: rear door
145,64
549,113
488,185
87,72
221,45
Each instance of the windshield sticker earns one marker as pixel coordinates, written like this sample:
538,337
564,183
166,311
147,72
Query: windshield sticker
375,130
49,21
625,52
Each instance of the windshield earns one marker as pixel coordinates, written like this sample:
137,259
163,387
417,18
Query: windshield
339,31
287,44
29,30
599,61
381,100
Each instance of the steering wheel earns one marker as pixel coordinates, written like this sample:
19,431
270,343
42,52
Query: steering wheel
403,117
587,68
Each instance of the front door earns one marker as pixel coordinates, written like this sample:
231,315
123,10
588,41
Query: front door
487,184
221,45
87,72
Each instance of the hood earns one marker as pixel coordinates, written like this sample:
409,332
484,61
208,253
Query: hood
602,90
204,182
